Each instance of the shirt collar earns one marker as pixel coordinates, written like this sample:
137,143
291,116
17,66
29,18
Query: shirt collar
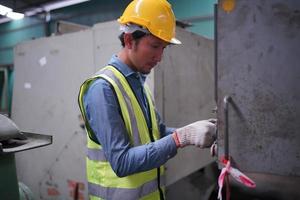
125,69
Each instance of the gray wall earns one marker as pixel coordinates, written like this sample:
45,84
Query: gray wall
184,91
48,74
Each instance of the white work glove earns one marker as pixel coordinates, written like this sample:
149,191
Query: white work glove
201,134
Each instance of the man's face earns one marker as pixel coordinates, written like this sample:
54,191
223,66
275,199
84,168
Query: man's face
146,53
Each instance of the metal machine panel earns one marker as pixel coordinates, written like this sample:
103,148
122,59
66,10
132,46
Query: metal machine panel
258,67
48,74
184,92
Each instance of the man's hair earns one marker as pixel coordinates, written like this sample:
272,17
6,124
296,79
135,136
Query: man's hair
136,35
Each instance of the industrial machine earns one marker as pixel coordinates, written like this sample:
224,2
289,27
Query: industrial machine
12,140
257,93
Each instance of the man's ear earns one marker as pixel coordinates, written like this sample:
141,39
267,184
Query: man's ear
128,40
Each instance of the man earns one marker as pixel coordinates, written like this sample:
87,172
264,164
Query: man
127,141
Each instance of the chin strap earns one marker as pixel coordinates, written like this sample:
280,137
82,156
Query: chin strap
236,174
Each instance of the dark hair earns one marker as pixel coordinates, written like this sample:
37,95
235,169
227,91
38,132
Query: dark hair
136,35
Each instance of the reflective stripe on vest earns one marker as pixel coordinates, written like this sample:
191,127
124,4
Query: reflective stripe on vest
133,127
120,193
103,182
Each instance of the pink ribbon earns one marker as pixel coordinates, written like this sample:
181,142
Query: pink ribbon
236,174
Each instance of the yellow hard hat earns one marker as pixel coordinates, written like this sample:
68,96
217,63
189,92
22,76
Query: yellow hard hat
155,15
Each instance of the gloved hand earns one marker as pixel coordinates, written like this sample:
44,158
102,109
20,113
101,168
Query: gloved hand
201,134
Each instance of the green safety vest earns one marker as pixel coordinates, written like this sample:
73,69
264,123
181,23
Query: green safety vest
103,183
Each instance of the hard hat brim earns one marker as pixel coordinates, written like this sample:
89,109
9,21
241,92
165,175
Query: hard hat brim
175,41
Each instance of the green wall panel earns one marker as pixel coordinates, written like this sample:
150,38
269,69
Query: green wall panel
6,56
190,8
204,28
14,37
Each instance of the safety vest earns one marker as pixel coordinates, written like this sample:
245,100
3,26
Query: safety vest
103,183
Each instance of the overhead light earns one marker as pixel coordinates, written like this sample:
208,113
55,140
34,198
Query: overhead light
61,4
4,10
8,12
15,15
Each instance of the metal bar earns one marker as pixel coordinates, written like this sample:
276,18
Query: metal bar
227,100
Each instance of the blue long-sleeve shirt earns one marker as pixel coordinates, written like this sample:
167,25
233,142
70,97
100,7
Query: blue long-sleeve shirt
103,113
